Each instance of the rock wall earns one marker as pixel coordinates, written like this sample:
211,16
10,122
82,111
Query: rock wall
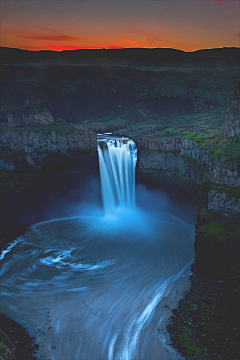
224,203
232,126
171,162
182,146
31,141
223,172
186,157
27,150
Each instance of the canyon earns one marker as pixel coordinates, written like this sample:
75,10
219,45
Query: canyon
214,178
44,136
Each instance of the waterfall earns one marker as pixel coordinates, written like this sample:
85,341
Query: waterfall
117,163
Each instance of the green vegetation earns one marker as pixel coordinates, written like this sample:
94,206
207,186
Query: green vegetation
2,350
212,227
198,85
145,150
205,325
187,345
229,149
45,129
199,127
230,190
8,154
205,128
109,121
154,88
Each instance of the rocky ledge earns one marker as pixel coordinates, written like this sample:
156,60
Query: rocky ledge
206,323
31,148
31,140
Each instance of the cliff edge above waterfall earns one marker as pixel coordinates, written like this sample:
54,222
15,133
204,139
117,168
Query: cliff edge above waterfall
38,147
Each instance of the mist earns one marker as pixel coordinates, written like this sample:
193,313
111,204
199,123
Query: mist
92,282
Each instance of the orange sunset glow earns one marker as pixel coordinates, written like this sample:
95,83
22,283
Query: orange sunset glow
68,25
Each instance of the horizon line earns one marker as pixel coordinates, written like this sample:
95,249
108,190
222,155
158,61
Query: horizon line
119,48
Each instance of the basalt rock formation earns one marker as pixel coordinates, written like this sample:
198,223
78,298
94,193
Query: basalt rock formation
29,148
232,127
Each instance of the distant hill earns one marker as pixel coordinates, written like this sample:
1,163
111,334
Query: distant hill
221,52
12,55
130,84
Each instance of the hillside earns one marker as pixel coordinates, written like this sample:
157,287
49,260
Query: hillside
130,84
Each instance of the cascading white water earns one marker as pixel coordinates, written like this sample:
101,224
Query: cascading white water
101,285
117,164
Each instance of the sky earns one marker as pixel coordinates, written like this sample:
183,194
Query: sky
77,24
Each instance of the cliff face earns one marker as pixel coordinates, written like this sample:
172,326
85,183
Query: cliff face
223,202
32,141
27,149
184,156
217,242
171,162
174,155
232,126
223,172
184,147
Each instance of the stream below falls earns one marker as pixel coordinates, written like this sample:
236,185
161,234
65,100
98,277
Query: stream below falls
97,287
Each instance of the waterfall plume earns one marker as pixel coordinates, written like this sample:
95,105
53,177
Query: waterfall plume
117,163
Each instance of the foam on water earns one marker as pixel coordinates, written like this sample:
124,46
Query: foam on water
94,286
105,281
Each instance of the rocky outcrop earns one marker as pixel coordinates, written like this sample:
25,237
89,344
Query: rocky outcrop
224,203
179,154
172,155
184,147
187,158
232,125
157,143
36,117
45,149
6,165
32,141
223,172
171,162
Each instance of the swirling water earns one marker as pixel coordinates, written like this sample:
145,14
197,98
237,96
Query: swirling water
96,286
91,287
